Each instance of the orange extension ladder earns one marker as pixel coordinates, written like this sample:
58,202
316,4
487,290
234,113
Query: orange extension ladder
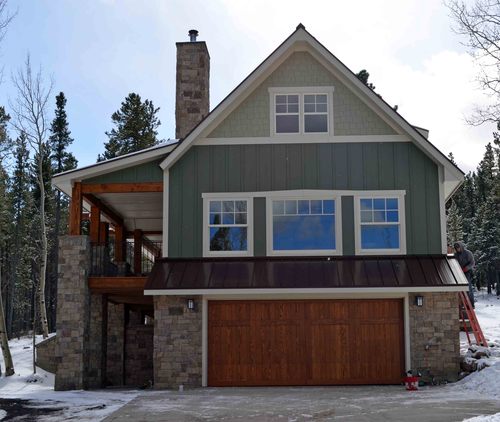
466,312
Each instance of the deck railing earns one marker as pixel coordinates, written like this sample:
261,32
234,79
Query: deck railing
111,259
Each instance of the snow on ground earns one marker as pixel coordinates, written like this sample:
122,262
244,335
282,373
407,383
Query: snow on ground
43,401
487,381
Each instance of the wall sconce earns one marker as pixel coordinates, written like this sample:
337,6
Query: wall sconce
190,304
419,301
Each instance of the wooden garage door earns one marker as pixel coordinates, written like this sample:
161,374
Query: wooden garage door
322,342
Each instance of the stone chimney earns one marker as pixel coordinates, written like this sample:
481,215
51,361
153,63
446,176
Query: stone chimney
192,84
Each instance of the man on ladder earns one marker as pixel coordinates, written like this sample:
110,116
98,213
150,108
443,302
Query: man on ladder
466,261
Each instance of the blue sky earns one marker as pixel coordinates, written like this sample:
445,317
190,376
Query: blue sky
97,51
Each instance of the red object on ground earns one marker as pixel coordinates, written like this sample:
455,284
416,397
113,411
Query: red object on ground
411,383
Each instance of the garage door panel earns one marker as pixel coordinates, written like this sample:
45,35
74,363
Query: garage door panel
329,353
314,342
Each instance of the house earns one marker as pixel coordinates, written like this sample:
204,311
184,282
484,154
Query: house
294,235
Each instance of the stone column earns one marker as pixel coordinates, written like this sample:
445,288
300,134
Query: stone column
96,352
435,335
73,308
177,355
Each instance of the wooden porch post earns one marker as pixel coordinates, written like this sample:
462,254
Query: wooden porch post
138,251
75,213
95,222
119,255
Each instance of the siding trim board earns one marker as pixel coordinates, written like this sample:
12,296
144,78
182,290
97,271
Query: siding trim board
313,139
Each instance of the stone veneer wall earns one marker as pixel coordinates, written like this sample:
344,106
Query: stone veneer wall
115,344
177,356
96,366
73,308
45,354
138,353
435,335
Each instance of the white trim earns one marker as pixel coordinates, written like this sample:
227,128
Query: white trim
442,210
302,193
250,226
402,224
406,310
166,191
317,139
304,291
306,42
64,181
301,135
204,342
312,252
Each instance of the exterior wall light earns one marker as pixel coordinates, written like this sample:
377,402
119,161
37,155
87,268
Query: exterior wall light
419,300
190,304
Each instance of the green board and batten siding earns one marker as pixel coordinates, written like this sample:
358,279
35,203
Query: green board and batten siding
343,166
142,173
351,115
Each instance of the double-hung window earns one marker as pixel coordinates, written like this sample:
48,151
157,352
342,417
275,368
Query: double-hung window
301,111
298,226
380,225
228,227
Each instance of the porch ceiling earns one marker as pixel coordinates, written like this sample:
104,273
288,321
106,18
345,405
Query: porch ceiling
139,210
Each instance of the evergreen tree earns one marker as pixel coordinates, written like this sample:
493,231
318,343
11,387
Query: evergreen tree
454,224
60,160
363,76
136,127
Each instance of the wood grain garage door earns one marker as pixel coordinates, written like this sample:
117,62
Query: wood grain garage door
323,342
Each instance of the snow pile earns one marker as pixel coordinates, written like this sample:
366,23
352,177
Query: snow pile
485,418
38,392
487,381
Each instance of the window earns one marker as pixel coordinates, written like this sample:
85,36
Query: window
287,113
301,111
298,226
227,229
380,225
315,113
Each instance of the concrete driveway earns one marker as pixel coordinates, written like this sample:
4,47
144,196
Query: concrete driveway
287,404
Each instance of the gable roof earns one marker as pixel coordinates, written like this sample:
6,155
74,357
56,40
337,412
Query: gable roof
302,40
64,181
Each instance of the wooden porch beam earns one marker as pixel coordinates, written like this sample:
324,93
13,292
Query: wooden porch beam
104,232
117,285
138,252
75,212
111,214
119,243
122,187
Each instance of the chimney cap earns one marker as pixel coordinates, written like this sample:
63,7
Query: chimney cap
193,34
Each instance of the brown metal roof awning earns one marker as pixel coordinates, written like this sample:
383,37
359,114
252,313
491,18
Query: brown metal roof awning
305,273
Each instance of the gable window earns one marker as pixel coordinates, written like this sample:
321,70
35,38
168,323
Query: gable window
287,113
302,226
227,229
315,113
301,111
380,225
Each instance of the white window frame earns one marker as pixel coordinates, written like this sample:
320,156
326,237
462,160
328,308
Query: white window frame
206,226
400,195
302,252
301,91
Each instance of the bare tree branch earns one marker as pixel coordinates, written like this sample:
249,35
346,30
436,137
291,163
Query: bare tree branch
479,23
30,117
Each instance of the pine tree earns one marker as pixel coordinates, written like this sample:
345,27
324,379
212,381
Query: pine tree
60,160
454,223
136,128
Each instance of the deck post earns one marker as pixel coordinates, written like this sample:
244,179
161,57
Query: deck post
95,221
138,251
119,255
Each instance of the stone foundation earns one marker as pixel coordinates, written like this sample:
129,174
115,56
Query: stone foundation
177,355
435,335
45,354
138,352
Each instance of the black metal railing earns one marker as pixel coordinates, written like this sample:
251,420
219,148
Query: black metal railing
124,259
